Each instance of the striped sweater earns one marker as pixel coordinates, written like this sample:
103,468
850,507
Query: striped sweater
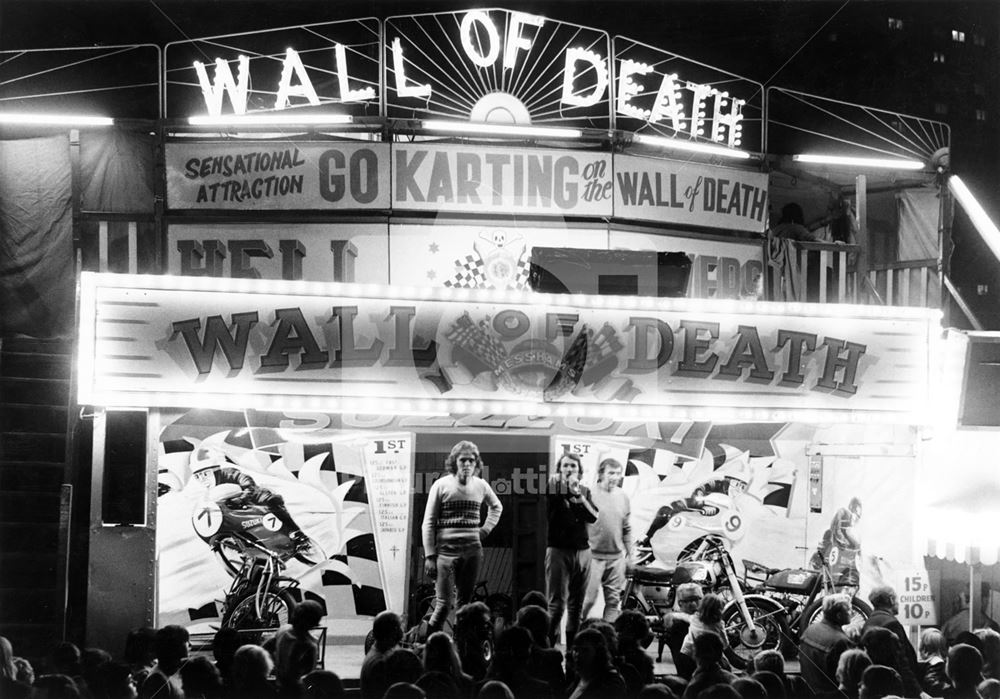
451,519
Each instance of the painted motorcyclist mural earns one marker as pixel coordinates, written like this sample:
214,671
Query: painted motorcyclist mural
720,493
307,500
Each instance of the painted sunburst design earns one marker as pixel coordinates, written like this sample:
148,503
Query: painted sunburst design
497,66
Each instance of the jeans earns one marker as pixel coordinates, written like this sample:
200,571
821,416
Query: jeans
609,574
457,575
566,575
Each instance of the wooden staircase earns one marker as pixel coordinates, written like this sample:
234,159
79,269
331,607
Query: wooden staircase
35,498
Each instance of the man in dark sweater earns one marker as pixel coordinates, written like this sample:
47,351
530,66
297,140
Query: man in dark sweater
886,606
823,642
567,556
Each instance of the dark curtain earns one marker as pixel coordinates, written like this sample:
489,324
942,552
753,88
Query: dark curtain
36,238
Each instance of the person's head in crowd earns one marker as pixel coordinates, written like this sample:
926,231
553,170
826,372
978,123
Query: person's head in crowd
441,655
707,650
511,652
965,665
851,665
404,690
719,691
969,639
23,671
322,684
883,597
882,646
171,646
472,619
837,609
656,691
402,665
771,683
605,629
117,682
251,667
769,660
6,658
387,629
91,659
65,659
932,644
494,689
633,629
536,620
225,643
140,648
535,598
710,609
689,596
306,615
200,678
438,685
990,651
749,688
878,681
989,689
55,686
675,683
590,650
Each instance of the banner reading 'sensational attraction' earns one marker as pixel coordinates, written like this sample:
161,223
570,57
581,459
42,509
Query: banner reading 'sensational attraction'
277,175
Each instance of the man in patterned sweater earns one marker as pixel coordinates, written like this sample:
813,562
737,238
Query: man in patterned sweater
452,534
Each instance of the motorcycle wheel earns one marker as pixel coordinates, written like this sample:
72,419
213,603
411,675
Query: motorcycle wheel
229,555
276,609
768,619
860,611
312,554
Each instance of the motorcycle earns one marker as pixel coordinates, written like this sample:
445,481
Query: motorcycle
651,585
260,597
235,529
794,597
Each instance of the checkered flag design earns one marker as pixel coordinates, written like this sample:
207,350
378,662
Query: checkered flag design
603,344
477,340
469,274
523,271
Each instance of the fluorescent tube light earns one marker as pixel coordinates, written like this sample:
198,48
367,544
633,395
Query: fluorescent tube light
890,163
691,146
464,127
271,120
980,219
56,120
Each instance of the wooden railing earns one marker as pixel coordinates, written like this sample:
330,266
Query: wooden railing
816,272
910,283
123,243
827,273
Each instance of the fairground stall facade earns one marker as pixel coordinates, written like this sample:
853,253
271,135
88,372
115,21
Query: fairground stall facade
334,250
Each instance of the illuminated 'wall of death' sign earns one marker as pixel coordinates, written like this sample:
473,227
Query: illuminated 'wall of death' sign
495,66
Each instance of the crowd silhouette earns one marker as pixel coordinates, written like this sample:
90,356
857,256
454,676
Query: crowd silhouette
602,661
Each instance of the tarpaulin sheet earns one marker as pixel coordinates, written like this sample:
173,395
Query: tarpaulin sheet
117,171
918,224
36,237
